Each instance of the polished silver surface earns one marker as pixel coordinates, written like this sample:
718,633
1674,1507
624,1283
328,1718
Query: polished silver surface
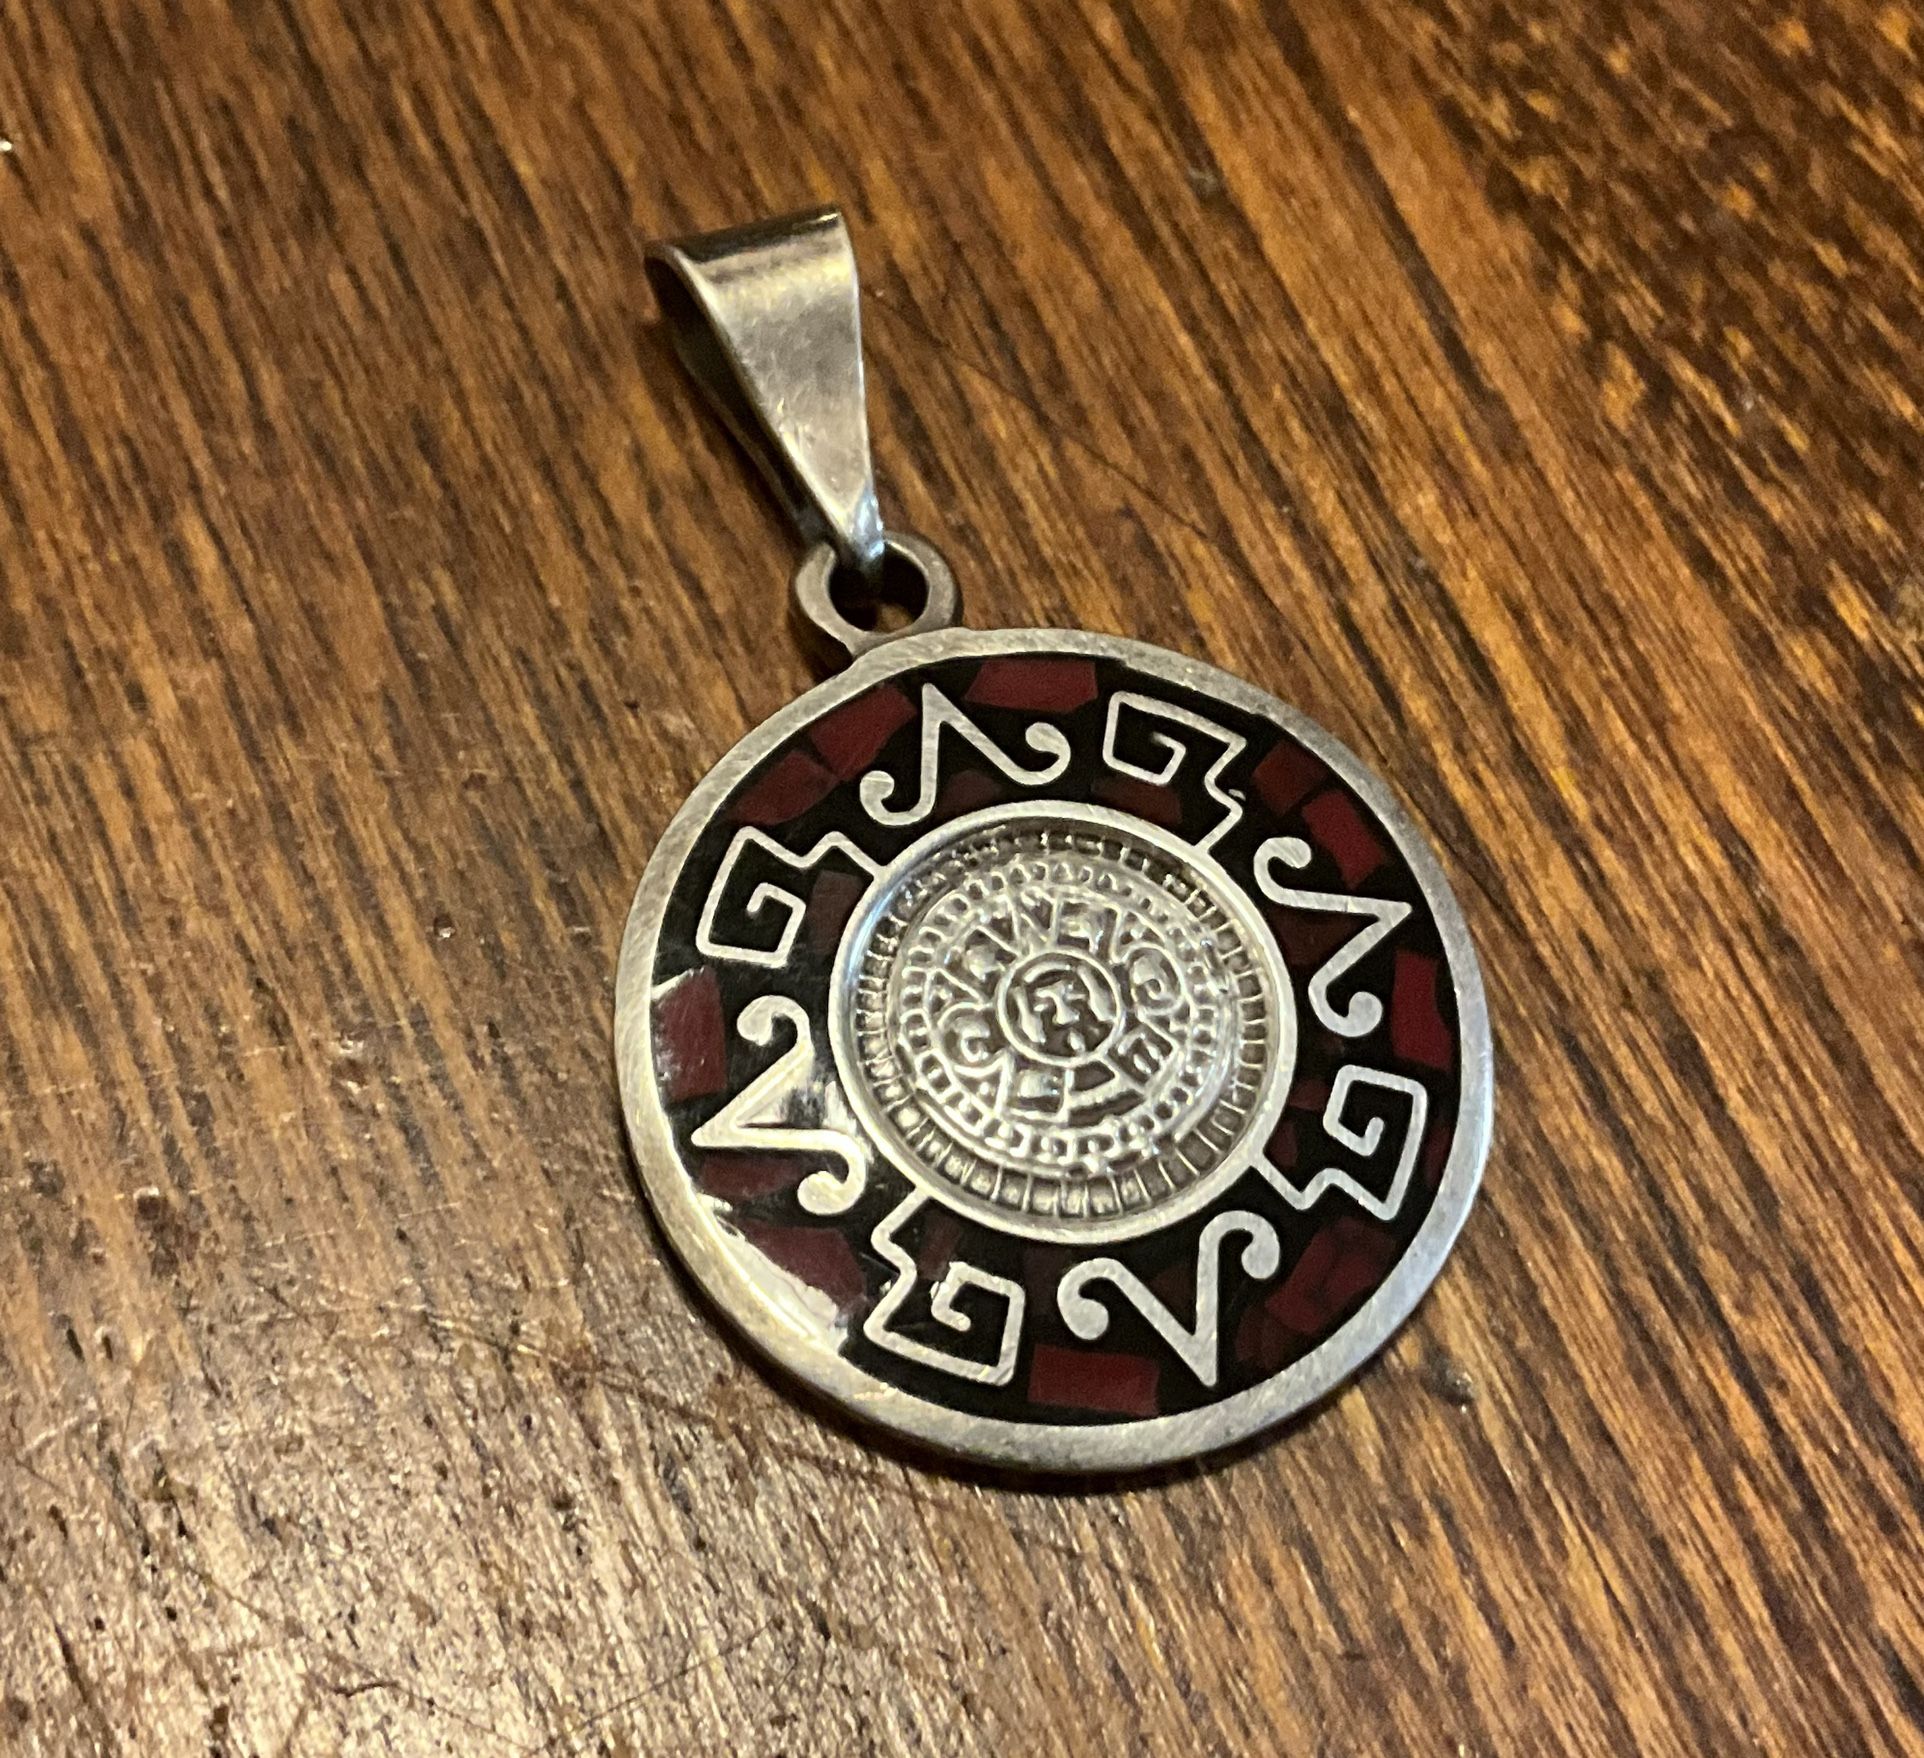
768,320
1062,1020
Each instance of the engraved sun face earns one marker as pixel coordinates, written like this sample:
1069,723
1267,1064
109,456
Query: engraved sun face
1058,1018
1059,1006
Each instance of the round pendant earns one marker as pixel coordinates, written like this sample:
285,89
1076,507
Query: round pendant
1053,1049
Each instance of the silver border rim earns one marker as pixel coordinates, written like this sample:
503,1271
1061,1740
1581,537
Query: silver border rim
702,1244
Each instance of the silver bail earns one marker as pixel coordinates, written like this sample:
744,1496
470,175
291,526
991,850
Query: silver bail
767,318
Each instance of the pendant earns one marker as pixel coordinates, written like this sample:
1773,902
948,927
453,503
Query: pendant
1048,1047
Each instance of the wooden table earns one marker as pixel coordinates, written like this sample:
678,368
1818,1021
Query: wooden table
1533,392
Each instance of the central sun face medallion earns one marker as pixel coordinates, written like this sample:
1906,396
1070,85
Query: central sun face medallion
1062,1020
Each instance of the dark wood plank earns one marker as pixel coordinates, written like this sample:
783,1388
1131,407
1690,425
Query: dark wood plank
1533,392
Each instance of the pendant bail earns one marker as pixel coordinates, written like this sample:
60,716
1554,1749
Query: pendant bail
767,318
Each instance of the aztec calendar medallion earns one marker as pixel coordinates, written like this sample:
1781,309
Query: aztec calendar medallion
1053,1049
1057,1022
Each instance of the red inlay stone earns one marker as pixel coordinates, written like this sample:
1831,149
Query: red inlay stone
1051,686
793,783
1264,1344
1093,1379
1308,1094
1175,1285
819,1256
1127,793
1339,830
966,791
1341,1264
1281,1149
851,737
1308,940
1436,1152
1417,1031
691,1048
1286,775
737,1178
831,902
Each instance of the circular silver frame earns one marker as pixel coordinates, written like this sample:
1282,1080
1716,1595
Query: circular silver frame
725,1275
1209,874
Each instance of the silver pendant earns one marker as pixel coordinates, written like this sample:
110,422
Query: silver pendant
1047,1046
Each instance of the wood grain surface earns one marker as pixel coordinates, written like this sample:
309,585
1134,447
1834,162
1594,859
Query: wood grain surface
1531,390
